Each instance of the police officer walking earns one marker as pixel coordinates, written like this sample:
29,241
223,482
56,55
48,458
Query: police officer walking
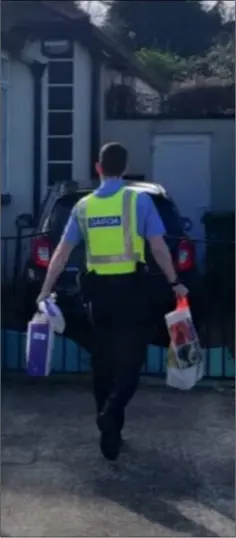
114,222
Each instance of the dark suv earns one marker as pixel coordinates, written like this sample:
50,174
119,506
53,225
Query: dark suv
54,214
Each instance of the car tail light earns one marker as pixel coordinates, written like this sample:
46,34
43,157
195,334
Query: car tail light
41,251
185,255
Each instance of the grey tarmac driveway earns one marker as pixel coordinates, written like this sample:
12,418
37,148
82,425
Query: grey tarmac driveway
174,478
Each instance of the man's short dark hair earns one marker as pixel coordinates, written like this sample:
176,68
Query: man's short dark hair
113,159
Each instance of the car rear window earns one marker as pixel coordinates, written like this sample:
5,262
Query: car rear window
173,225
60,215
62,209
57,222
169,215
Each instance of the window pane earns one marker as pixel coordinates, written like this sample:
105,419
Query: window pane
58,219
60,98
60,214
60,72
59,172
60,149
60,123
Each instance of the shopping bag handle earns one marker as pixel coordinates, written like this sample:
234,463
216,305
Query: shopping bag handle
182,303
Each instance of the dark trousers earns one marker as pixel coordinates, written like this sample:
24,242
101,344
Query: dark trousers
119,355
118,310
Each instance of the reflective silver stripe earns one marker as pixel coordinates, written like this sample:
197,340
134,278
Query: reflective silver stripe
129,254
113,258
126,221
82,219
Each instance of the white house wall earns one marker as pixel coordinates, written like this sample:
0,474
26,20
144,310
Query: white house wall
20,146
138,135
20,110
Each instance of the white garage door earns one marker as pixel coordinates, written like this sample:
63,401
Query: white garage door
181,163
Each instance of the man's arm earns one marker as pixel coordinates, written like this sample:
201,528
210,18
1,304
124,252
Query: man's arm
154,230
162,256
55,268
71,237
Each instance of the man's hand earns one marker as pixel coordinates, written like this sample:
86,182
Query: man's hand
180,291
41,297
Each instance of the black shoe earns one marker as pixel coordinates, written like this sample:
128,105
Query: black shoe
120,420
110,440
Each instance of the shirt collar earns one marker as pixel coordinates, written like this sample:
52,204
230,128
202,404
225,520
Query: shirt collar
110,186
113,181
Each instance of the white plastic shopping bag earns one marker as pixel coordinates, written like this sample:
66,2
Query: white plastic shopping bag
39,346
185,364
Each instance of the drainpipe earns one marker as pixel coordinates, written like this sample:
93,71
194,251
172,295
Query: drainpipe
37,69
95,117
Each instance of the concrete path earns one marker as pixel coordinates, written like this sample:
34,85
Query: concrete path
175,477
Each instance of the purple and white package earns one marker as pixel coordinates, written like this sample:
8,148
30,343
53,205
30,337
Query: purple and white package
39,346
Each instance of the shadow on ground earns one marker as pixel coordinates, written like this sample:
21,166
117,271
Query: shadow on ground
175,476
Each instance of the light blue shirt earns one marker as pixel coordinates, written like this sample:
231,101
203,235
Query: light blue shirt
149,223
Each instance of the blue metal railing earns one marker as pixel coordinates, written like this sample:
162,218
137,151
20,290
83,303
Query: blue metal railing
215,326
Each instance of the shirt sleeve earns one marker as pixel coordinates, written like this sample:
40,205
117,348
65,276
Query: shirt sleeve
72,233
149,220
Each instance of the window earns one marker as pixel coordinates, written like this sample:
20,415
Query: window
60,111
60,98
60,149
60,214
4,123
130,98
60,123
60,118
58,219
60,72
58,172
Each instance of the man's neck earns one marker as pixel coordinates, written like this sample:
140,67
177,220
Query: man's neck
109,178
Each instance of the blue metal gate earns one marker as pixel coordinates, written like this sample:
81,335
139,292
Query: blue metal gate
69,357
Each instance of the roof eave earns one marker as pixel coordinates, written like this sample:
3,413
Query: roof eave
13,41
113,49
128,61
89,36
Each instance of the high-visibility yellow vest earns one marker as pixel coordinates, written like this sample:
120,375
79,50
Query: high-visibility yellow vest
109,226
